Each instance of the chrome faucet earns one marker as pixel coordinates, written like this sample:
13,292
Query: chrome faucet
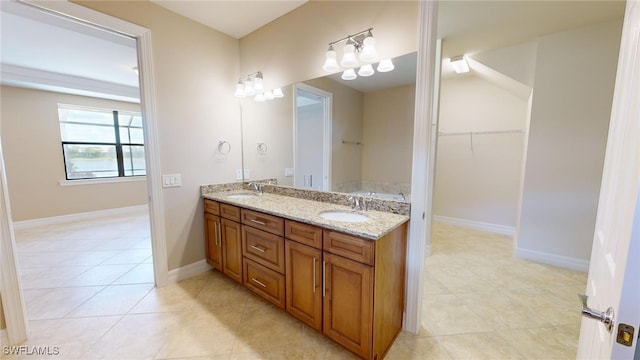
354,202
402,196
257,187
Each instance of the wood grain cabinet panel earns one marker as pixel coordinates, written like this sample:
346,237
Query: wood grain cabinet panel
349,246
303,233
348,303
264,282
304,283
213,243
231,249
264,248
265,222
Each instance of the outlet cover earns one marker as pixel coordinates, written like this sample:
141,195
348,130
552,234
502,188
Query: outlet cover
247,174
239,174
288,172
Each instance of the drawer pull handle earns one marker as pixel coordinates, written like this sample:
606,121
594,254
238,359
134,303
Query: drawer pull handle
258,248
261,222
324,276
259,282
314,275
217,233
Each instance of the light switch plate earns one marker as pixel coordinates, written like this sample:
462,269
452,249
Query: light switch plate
171,180
247,174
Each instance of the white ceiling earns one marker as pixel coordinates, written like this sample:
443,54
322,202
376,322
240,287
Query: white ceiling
235,18
39,48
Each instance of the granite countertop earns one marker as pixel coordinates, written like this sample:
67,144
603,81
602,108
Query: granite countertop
306,211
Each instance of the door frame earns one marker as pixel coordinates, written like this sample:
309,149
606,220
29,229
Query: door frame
13,303
327,139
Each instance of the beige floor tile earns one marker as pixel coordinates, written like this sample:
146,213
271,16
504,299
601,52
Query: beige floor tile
180,296
129,256
50,277
418,348
113,300
99,275
58,302
88,258
267,328
140,274
480,346
545,343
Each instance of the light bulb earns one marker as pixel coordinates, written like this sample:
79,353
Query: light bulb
248,87
349,56
259,98
460,65
277,93
368,53
385,65
349,74
268,95
366,70
240,90
330,62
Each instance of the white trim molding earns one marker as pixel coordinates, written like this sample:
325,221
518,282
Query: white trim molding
477,225
188,271
97,181
553,259
90,215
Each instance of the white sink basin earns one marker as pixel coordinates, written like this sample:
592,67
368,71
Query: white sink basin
241,196
343,216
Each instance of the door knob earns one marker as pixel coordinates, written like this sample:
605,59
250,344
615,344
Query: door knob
604,317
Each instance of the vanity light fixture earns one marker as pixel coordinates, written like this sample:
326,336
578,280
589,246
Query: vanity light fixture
362,43
460,65
385,65
253,84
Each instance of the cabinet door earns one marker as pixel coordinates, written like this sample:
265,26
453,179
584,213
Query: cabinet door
231,249
348,303
304,283
213,241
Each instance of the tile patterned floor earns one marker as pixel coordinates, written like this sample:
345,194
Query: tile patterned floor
89,292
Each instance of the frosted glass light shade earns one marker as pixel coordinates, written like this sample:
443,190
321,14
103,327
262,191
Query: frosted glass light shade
385,65
330,62
349,74
366,70
240,90
277,93
248,87
268,95
349,56
258,85
368,53
260,98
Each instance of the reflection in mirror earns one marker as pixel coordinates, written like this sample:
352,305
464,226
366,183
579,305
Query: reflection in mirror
336,135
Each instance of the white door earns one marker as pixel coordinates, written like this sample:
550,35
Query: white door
615,245
312,138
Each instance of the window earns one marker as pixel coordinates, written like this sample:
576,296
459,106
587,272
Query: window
100,143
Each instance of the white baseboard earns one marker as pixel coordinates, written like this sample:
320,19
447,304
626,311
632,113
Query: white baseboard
27,224
553,259
477,225
188,271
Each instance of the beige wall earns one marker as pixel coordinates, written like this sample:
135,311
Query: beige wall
291,48
574,80
195,70
479,181
269,122
388,139
35,165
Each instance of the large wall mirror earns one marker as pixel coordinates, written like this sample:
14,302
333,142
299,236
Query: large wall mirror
330,134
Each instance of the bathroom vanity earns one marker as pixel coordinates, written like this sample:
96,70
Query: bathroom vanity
344,279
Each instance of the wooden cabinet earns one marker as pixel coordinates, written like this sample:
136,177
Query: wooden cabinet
349,288
213,241
223,239
304,283
348,303
364,290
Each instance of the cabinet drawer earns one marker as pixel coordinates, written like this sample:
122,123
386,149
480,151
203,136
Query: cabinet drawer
211,207
268,223
303,233
264,248
349,246
230,212
264,282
